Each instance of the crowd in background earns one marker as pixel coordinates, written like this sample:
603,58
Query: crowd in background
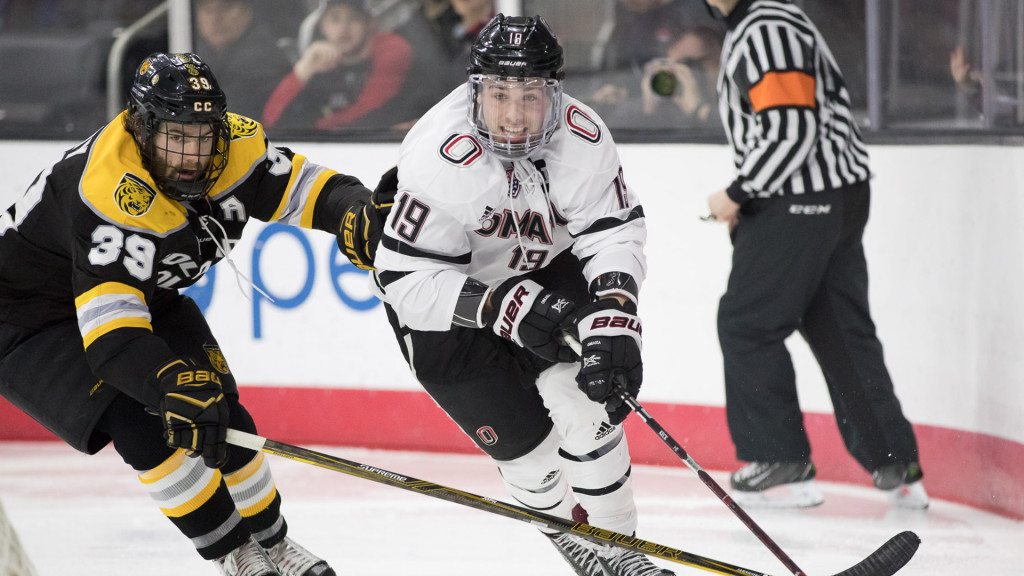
369,68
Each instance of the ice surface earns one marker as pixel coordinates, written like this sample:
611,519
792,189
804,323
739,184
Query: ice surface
88,515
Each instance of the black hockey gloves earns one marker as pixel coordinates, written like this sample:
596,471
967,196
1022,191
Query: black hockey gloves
363,224
527,314
194,411
610,334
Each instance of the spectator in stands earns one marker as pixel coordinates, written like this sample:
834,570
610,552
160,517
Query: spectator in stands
417,21
458,26
970,81
968,78
32,16
435,10
677,89
350,76
242,51
644,30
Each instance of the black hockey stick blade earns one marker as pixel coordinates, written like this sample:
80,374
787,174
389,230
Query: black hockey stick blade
885,561
537,519
889,557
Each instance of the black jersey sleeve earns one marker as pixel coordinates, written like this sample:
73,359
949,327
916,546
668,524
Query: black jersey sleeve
114,283
293,190
341,194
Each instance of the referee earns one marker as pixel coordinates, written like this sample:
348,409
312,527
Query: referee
796,212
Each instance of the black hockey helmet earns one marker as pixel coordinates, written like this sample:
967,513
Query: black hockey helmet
515,88
516,47
168,93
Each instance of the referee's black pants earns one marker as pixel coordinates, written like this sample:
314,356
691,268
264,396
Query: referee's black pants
798,264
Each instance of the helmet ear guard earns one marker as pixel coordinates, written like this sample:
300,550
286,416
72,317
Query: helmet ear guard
170,92
515,53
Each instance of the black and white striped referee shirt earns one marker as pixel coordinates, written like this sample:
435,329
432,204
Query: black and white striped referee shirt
785,106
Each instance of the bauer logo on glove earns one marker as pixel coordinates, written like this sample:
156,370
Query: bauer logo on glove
625,322
610,339
193,409
197,378
513,304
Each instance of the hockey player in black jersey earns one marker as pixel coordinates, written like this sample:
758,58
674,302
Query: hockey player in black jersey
97,344
513,224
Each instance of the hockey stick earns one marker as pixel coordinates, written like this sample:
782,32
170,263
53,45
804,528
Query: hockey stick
537,519
885,561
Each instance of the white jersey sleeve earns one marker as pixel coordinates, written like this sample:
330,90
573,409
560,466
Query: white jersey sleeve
424,257
423,283
605,217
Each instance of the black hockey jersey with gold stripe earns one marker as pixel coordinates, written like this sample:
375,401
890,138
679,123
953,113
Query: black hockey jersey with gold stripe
92,239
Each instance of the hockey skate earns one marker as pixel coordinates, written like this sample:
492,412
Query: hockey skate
294,560
776,485
621,562
249,559
902,484
579,554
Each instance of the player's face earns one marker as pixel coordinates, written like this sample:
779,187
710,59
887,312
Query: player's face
183,151
514,110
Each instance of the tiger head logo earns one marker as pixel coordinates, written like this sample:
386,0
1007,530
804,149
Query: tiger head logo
217,360
133,196
240,126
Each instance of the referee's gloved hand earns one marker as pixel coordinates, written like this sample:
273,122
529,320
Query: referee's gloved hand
194,411
610,336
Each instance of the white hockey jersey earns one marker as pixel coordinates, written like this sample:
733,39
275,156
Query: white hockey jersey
462,212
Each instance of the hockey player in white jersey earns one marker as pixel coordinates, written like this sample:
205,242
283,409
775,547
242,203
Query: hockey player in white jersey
512,225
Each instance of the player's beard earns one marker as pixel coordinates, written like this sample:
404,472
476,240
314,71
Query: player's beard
187,181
